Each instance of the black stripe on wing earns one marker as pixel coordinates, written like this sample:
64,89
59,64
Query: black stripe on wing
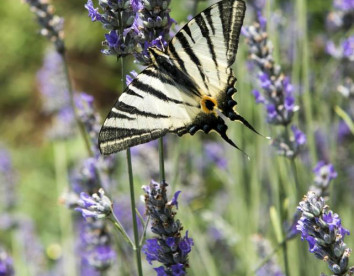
176,57
205,32
133,110
117,139
177,79
210,20
232,14
187,47
154,92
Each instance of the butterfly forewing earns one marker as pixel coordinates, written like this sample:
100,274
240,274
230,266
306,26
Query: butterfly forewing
206,47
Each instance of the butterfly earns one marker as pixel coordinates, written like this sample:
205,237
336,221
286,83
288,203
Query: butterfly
188,86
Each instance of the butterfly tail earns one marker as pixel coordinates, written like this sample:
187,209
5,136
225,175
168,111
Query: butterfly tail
236,117
221,129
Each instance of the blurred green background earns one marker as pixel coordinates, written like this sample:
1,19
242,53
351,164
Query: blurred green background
253,188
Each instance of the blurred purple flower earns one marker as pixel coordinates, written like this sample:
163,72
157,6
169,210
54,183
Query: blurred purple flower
52,25
95,245
299,136
324,174
6,264
343,5
129,77
258,96
342,15
89,118
55,96
294,146
343,131
264,250
215,153
344,51
8,179
168,248
323,231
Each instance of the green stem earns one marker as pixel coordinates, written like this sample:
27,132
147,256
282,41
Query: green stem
135,225
120,228
65,220
161,161
293,167
136,247
195,7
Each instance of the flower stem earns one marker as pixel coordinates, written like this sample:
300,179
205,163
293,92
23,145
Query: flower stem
137,246
135,225
161,161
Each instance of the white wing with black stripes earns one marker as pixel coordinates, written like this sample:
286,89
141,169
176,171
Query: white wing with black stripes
187,88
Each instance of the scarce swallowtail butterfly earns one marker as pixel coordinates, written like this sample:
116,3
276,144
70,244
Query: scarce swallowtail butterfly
188,87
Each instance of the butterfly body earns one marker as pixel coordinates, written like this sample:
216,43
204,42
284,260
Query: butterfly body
188,87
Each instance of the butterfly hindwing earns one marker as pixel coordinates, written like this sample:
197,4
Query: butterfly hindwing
151,106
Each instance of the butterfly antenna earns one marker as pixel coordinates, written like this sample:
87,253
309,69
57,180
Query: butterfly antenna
237,117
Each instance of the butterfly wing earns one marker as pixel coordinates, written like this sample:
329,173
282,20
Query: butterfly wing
179,91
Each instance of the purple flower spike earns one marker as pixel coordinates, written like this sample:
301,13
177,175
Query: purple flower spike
323,231
143,24
51,24
277,89
299,136
167,247
324,174
258,96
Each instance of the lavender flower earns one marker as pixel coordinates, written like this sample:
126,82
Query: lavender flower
95,245
98,205
55,96
264,249
133,26
52,25
342,15
292,147
323,231
344,51
89,118
324,174
168,248
6,264
278,91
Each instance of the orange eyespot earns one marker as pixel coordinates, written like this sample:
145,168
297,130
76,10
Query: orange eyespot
208,104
